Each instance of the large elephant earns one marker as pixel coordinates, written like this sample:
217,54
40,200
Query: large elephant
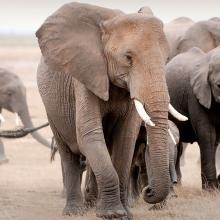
193,80
99,64
13,99
203,34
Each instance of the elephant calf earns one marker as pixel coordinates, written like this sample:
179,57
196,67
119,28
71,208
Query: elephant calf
140,169
140,174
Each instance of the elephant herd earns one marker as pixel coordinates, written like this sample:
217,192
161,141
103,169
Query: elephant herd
122,93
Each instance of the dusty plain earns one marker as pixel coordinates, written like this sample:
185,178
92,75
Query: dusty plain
30,185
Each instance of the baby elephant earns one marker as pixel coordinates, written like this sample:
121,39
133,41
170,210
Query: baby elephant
140,175
140,171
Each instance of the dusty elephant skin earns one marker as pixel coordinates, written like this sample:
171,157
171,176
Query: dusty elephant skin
95,62
193,80
13,99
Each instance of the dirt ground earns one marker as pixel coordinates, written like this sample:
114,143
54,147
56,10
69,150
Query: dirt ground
30,186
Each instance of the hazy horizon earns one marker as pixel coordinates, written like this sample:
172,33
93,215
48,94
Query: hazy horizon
24,17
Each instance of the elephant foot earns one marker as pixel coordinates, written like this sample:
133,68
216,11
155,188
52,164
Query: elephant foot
3,160
129,214
73,208
113,211
90,203
209,185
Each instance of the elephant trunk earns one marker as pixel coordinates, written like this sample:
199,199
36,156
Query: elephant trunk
158,187
153,94
26,120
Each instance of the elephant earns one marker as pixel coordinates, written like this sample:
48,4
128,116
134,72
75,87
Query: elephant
140,170
13,99
203,34
174,32
193,81
100,69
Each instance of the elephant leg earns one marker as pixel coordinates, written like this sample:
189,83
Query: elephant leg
3,158
133,187
71,171
126,133
91,189
90,136
207,146
178,162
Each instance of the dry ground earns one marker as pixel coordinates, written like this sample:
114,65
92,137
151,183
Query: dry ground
30,186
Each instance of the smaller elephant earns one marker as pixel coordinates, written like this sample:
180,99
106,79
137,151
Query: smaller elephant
13,99
140,170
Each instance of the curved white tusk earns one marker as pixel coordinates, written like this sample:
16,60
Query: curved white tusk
17,119
2,119
176,114
172,137
142,113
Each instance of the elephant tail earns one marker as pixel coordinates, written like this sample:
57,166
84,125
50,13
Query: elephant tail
54,149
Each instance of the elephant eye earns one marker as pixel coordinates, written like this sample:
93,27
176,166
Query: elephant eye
129,59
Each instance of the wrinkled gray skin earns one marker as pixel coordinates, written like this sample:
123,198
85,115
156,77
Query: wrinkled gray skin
95,62
13,99
140,168
174,31
203,34
193,80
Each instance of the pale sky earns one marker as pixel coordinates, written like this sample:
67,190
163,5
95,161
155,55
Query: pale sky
27,15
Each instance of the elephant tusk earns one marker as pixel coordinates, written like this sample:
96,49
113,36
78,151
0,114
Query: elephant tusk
2,119
142,113
176,114
17,119
172,136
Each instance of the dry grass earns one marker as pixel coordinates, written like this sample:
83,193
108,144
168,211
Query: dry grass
30,186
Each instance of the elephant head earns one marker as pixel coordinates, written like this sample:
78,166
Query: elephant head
13,99
205,78
101,47
204,35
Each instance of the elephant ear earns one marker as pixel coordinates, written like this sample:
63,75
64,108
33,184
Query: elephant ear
70,42
199,82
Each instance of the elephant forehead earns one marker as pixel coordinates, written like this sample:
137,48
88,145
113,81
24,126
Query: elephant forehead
136,23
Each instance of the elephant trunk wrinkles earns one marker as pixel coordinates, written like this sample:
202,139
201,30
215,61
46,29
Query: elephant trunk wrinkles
159,183
156,101
26,120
